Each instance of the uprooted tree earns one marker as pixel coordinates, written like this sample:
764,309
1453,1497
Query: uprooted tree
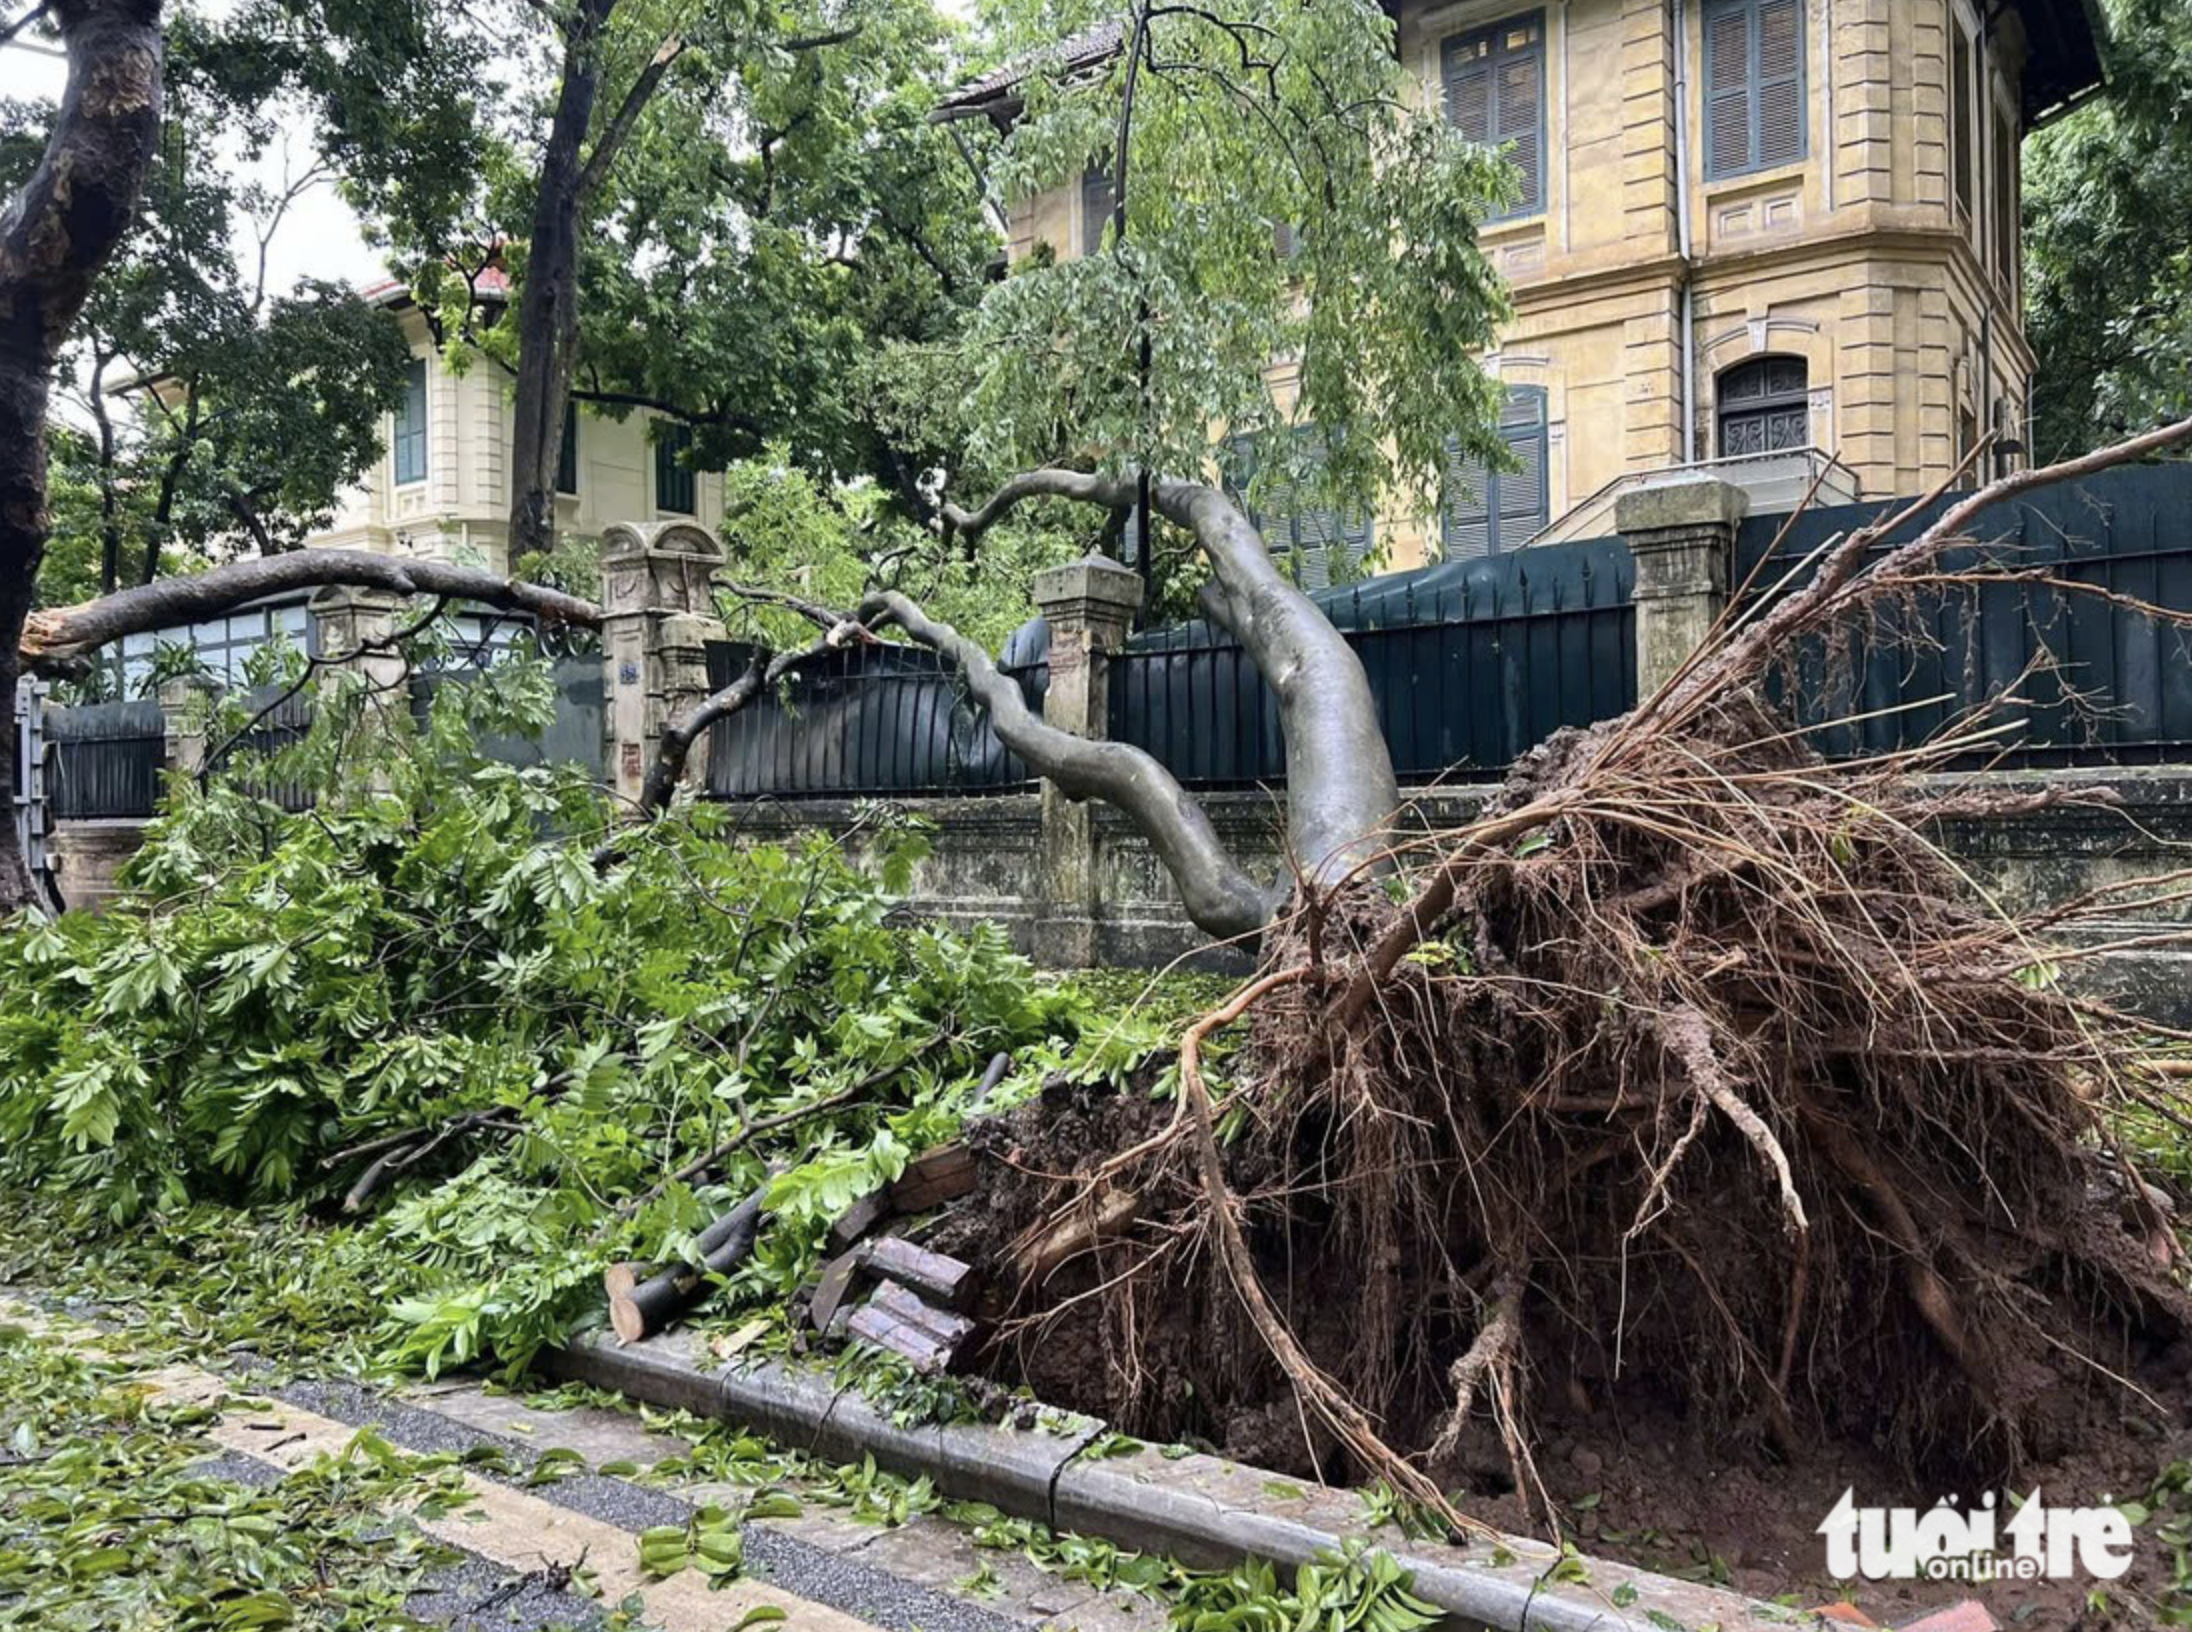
1691,1057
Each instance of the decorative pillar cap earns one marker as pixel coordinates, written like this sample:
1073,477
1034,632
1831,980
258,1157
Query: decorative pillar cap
331,599
658,566
1681,503
1092,587
179,691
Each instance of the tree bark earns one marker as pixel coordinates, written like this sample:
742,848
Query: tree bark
55,235
54,636
548,304
1342,795
653,1304
1221,899
110,519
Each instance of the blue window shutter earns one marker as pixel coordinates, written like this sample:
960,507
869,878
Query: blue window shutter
409,436
1728,102
1494,85
567,452
1484,511
1098,202
1755,113
1525,495
1465,518
1522,124
673,476
1780,79
1310,543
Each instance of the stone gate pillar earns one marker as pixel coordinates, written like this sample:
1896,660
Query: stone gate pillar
184,703
353,631
1682,536
658,603
1089,605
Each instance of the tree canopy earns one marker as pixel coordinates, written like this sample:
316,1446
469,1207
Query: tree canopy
2107,194
1296,248
205,410
711,215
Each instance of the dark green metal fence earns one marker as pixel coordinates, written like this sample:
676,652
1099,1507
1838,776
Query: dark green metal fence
864,722
2066,659
1472,663
104,760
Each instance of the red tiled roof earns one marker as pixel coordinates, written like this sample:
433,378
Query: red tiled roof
492,281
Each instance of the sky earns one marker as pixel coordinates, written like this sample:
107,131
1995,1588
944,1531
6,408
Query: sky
319,237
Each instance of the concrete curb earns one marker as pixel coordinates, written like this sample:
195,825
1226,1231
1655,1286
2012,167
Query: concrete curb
1197,1508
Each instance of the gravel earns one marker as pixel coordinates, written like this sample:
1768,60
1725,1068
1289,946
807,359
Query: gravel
862,1590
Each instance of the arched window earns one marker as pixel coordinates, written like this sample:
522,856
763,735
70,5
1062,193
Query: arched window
1765,407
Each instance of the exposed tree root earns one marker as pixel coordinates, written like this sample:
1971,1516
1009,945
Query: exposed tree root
1691,1059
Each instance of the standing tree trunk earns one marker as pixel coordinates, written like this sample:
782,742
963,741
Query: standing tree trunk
110,514
548,304
55,235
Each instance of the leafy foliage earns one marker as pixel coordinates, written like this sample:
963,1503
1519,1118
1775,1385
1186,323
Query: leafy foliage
248,411
778,206
432,952
1360,1590
2109,275
1247,117
113,1517
785,529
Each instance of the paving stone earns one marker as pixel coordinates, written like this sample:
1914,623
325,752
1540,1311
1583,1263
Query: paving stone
859,1586
825,1527
599,1436
1111,1612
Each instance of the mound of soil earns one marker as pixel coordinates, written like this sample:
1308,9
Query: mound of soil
1633,1470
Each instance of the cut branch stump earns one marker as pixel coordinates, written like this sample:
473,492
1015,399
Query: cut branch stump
653,1304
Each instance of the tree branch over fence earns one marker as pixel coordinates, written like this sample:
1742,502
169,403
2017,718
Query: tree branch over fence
56,635
1219,895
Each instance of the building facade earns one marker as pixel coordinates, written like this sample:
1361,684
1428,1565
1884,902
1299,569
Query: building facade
1782,233
441,488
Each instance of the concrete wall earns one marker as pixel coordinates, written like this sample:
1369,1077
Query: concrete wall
987,858
985,864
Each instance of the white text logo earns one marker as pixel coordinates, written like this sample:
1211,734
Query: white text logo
1945,1543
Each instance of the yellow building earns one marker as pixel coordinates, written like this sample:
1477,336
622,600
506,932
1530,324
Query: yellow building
441,488
1782,234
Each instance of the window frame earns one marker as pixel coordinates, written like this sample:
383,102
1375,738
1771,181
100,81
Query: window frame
1766,404
2005,185
1093,221
1966,144
1755,85
1492,500
410,463
670,441
1462,40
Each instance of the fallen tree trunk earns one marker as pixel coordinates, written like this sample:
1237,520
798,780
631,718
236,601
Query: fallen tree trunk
59,634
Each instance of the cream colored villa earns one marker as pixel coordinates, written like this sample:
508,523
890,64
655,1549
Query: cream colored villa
441,488
1783,234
